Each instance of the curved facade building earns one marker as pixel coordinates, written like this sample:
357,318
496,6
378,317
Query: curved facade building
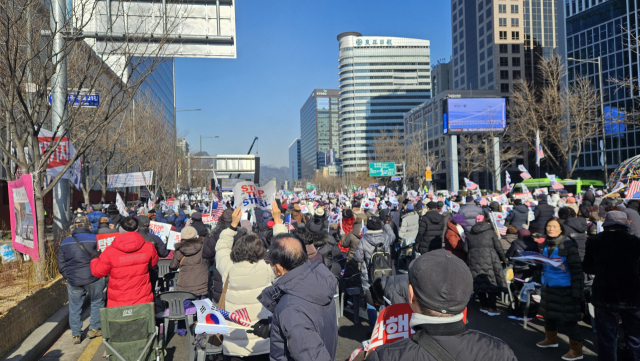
381,78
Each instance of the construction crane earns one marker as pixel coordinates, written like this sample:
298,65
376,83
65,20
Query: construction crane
249,152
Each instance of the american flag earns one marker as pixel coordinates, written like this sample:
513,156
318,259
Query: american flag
218,188
216,210
470,184
431,191
315,204
539,152
237,316
361,233
634,190
287,222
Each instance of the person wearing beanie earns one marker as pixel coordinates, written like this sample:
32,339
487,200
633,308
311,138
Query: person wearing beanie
575,228
376,234
432,227
519,215
196,222
127,262
524,243
454,237
194,269
324,243
440,286
105,227
543,213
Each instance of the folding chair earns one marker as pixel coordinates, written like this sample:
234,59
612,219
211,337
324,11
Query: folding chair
175,305
165,274
129,333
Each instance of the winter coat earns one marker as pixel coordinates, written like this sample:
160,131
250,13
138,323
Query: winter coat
127,262
396,288
312,254
543,212
94,217
115,217
519,216
161,247
562,303
177,222
484,256
470,211
429,238
453,242
635,221
209,252
73,262
617,280
246,282
194,270
394,215
521,245
455,338
304,325
103,228
506,240
365,249
587,201
409,227
298,216
201,228
328,248
351,241
576,229
347,225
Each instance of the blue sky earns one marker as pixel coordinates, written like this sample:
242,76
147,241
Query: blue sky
285,50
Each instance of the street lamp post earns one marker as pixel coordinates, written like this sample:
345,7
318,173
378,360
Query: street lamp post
175,125
604,142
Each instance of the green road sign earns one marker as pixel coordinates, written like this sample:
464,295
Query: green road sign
382,169
311,186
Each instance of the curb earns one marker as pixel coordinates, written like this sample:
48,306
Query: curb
39,341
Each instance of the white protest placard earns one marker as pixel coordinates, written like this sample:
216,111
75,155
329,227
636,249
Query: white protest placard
540,191
207,219
174,237
303,208
525,195
160,229
247,195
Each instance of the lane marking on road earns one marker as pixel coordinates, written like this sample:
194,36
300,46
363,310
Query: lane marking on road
91,349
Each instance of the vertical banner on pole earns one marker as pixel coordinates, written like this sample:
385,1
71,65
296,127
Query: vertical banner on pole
24,231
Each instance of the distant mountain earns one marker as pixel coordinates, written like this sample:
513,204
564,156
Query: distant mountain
268,172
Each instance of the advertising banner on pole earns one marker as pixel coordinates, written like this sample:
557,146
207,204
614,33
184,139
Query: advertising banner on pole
130,179
24,231
249,196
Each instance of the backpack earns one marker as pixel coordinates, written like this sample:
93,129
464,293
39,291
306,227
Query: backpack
380,263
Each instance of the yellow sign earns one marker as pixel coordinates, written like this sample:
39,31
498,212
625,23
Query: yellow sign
427,174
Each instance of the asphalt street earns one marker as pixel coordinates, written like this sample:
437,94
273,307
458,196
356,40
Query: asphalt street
522,341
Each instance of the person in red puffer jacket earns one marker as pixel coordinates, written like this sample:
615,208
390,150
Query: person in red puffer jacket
347,226
127,261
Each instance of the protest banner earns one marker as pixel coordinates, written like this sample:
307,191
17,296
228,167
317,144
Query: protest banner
540,191
303,208
105,240
371,194
526,195
130,179
174,237
24,232
207,219
392,325
160,229
247,195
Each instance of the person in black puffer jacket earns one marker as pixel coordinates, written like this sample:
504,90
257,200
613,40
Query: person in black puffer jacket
470,211
543,212
323,242
196,222
634,216
114,215
588,200
575,228
432,226
519,215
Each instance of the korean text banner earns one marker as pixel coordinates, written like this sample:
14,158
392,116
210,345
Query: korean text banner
24,231
247,195
130,179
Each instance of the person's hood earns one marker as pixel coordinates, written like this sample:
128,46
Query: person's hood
316,225
128,242
189,247
521,208
481,227
356,229
494,206
312,282
374,237
434,217
543,201
589,197
578,224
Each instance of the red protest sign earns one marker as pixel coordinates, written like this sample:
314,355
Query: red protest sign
392,325
105,240
525,195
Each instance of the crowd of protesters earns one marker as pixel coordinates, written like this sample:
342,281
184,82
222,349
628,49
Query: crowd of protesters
284,265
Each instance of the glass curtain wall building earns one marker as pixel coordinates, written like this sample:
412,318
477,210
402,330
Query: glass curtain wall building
381,78
597,29
295,171
159,86
318,130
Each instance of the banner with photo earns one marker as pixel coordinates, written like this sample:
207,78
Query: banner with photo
24,231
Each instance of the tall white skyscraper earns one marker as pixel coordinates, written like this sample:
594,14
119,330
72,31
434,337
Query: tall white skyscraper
381,78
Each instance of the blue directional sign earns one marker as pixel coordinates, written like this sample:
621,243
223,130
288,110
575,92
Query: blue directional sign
396,178
84,100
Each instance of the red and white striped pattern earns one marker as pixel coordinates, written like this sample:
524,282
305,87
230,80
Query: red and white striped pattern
502,230
634,190
217,212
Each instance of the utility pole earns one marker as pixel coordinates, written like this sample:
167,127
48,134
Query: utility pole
59,102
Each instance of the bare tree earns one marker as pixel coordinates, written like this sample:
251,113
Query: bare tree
563,115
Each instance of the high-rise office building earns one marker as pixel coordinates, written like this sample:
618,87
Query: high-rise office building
495,42
319,130
381,78
441,77
295,170
597,29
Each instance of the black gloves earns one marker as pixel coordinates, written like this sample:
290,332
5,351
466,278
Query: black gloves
95,254
261,329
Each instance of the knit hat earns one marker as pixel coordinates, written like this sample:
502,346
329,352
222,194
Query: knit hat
270,224
188,232
542,197
143,221
82,222
613,218
458,218
571,200
227,215
432,205
374,224
441,282
196,216
469,199
409,207
266,217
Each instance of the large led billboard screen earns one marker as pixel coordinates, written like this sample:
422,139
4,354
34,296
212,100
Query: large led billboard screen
464,115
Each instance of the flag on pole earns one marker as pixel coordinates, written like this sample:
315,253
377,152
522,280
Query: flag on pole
618,187
524,188
634,190
237,316
525,174
539,152
218,188
287,222
216,210
431,191
508,177
361,233
554,184
470,184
